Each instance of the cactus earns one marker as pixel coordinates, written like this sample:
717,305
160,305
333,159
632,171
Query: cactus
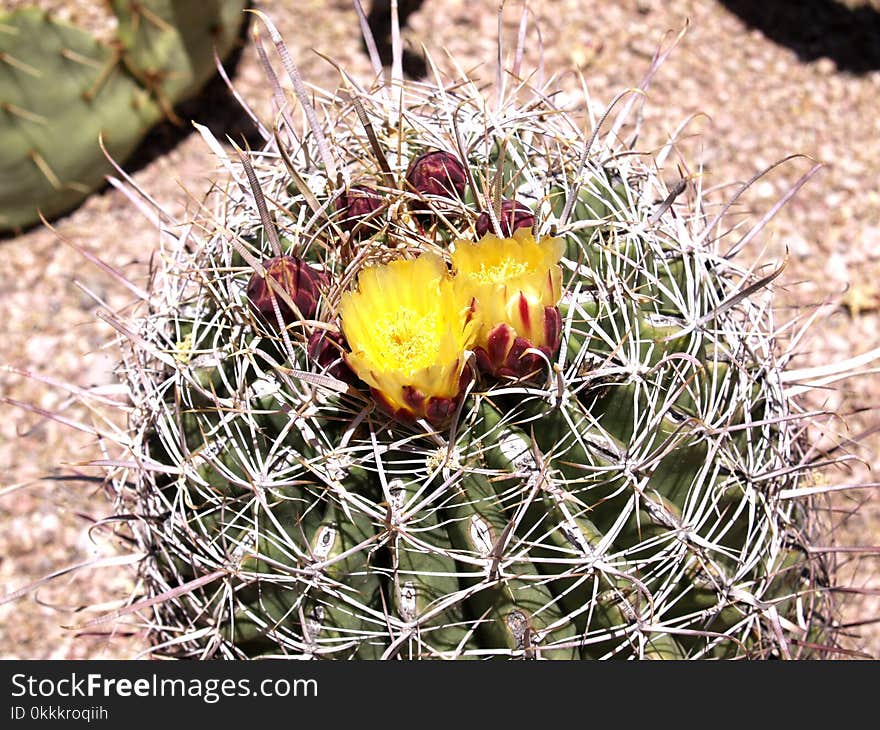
60,90
573,439
168,45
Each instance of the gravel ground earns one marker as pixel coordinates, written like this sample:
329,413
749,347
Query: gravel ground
761,83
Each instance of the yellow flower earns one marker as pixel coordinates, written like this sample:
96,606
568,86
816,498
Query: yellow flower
408,333
517,283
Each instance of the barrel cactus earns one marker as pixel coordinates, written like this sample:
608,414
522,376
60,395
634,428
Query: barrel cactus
61,89
447,378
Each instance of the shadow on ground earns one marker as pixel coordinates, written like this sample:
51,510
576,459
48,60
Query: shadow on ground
816,29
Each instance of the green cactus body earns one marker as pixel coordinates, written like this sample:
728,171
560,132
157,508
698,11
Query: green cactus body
514,607
422,579
344,604
59,91
168,45
620,498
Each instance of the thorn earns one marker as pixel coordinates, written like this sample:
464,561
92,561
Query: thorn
20,65
47,171
89,94
139,9
80,58
679,188
23,113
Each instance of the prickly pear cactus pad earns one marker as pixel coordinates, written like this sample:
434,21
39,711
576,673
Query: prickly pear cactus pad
447,376
61,90
169,45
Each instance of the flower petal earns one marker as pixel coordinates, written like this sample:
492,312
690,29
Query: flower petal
407,331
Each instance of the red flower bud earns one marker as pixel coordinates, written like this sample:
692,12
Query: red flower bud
436,410
327,350
506,356
358,203
301,282
437,173
513,215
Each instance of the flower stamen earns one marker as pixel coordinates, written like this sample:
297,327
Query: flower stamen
408,341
